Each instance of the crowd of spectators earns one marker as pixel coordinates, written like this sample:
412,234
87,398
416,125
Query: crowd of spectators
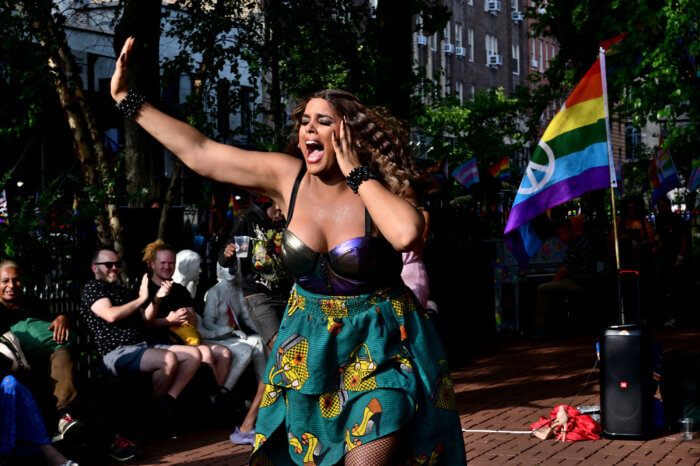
187,352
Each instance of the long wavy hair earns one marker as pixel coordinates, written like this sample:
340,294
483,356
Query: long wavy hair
381,140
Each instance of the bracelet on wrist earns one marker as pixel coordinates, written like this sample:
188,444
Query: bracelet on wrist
359,175
130,105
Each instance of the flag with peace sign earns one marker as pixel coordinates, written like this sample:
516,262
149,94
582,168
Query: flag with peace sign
571,158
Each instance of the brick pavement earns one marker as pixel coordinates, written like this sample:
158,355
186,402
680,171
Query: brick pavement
508,388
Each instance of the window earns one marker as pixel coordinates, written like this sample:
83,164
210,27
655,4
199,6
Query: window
472,92
541,67
470,2
433,41
446,34
470,44
419,23
458,35
514,5
491,45
459,91
223,110
516,58
633,142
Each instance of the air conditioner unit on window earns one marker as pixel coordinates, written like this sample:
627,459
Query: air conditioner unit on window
494,60
460,51
448,48
492,6
516,16
421,40
535,64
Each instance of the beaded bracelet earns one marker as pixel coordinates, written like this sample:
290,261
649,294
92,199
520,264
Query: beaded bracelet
130,105
359,175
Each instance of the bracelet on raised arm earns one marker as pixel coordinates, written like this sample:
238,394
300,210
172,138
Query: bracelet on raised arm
131,104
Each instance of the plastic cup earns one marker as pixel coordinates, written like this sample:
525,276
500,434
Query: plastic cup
242,245
686,428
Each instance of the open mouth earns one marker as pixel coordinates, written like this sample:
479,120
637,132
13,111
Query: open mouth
314,151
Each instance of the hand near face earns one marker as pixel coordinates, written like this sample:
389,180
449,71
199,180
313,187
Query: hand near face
344,149
60,328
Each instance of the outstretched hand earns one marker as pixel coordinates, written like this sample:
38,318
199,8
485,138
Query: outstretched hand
119,86
143,289
345,152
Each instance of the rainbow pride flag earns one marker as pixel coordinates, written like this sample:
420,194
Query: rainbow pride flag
662,173
694,178
231,209
3,207
76,205
467,174
572,157
501,169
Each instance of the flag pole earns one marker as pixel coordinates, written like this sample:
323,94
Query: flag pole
611,161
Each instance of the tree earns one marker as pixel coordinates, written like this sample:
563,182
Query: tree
653,74
45,26
143,155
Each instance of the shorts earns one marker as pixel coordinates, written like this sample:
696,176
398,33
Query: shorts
265,313
127,359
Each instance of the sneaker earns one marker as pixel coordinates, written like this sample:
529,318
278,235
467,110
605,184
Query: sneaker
243,438
123,449
69,428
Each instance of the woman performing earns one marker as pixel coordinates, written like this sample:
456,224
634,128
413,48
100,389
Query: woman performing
356,373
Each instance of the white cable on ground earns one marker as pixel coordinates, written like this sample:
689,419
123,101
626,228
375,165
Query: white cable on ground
498,431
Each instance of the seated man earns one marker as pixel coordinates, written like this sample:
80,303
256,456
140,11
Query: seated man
116,320
44,340
574,277
175,319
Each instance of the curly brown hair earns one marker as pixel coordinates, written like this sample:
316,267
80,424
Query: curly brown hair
151,251
381,140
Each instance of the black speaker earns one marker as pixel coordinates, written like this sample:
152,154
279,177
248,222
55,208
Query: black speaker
626,382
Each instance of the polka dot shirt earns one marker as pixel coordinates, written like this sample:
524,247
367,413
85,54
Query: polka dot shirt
109,336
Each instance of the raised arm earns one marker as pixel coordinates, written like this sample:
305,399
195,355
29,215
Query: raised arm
398,219
259,172
103,307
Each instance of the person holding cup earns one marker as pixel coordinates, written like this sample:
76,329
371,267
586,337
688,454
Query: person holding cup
252,252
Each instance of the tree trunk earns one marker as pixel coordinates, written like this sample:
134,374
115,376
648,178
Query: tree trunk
143,154
394,24
79,116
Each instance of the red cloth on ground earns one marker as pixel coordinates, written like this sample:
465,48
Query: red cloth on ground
579,427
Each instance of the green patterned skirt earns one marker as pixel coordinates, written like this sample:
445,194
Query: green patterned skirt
347,370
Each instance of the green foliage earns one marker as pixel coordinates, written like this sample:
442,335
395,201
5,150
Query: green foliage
40,232
653,72
488,128
23,75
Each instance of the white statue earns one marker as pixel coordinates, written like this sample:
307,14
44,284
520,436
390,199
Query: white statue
187,270
223,304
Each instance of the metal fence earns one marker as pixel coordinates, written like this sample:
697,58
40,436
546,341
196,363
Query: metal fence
63,298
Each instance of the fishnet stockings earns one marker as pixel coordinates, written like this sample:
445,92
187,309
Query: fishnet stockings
377,452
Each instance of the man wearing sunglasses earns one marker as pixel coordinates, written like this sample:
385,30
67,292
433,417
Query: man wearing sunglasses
116,320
